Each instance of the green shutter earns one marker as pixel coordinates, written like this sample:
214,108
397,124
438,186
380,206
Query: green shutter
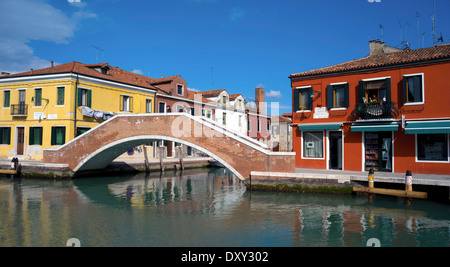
417,88
79,97
362,91
38,97
31,137
296,99
5,135
53,141
40,132
405,91
63,132
89,99
388,90
330,103
6,100
310,100
346,95
60,96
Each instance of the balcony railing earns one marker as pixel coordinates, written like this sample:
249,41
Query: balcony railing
19,110
375,111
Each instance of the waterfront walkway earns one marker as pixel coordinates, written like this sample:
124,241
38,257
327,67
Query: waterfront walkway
384,177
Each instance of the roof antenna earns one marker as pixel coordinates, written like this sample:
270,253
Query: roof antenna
433,19
212,78
381,33
418,30
98,49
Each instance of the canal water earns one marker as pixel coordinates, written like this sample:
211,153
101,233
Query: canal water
204,208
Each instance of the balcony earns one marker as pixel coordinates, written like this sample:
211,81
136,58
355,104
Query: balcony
20,110
375,111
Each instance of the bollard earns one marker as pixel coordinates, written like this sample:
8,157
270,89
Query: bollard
408,181
408,185
371,175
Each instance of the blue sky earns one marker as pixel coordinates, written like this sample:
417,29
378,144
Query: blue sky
248,43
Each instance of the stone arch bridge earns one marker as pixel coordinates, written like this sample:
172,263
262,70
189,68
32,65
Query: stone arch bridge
98,147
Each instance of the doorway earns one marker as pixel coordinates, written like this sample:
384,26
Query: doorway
20,140
335,155
378,148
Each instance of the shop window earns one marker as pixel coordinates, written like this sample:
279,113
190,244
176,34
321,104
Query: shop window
432,147
313,144
413,89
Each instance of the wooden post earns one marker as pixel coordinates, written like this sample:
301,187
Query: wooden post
181,157
161,155
371,182
408,185
147,167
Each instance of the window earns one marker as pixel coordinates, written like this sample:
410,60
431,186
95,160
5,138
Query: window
413,88
6,99
337,95
5,135
60,96
38,97
248,124
302,98
82,130
35,136
224,119
203,113
208,114
375,90
148,106
224,99
179,89
162,107
126,103
240,120
312,144
432,147
84,97
58,135
259,125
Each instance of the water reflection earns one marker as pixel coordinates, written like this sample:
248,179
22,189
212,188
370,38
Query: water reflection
205,208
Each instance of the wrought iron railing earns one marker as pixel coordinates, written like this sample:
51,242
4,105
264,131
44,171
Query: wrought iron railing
375,111
19,110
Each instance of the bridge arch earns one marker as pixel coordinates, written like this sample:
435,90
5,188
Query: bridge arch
106,154
99,146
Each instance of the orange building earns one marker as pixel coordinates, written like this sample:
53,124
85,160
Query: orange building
389,111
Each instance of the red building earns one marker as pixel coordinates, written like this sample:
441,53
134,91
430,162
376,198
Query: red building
388,111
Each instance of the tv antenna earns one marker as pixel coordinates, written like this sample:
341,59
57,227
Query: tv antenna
98,50
418,30
212,78
433,19
381,33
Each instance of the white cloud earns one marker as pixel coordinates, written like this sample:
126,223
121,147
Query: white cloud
22,21
273,94
236,14
137,71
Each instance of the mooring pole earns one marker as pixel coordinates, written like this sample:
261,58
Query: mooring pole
408,185
161,155
371,182
147,168
181,158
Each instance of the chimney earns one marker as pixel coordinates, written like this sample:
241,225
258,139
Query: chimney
259,99
376,47
52,63
5,73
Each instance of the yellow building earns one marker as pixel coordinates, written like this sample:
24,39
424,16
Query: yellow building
48,107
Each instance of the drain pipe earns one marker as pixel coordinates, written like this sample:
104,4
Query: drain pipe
75,109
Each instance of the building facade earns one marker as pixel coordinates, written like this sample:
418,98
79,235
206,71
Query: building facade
48,107
388,112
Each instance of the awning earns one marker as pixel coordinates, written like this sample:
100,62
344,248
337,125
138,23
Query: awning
317,126
427,127
375,127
